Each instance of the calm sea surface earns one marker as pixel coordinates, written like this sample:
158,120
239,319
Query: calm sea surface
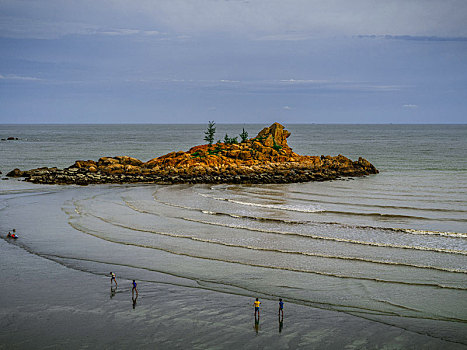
390,247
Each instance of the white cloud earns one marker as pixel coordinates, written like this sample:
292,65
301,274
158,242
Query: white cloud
126,31
304,81
17,77
151,32
410,106
285,37
287,108
118,32
282,86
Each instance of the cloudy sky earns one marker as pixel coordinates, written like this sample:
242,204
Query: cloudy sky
233,61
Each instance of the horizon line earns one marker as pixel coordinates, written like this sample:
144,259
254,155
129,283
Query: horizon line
236,123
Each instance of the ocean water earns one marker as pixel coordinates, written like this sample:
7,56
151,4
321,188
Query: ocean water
389,248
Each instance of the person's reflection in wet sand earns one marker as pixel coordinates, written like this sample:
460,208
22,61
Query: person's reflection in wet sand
113,290
256,324
133,299
281,322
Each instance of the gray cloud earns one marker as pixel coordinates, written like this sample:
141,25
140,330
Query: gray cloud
12,27
295,19
413,38
260,19
358,59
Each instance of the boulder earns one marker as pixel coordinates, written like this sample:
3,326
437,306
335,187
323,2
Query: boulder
244,155
278,133
233,154
84,164
107,161
113,168
15,173
131,169
125,160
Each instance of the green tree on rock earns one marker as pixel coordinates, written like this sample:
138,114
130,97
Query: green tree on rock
230,140
244,135
209,138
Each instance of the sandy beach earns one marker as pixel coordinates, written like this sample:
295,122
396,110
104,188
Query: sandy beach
47,305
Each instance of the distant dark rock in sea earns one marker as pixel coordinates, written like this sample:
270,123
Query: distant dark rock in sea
266,158
10,138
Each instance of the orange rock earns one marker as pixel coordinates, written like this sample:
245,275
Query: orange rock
257,146
151,163
113,168
131,169
233,154
278,133
125,160
107,161
146,171
269,141
244,155
84,164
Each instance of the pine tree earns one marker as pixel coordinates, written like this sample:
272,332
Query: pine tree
244,135
209,138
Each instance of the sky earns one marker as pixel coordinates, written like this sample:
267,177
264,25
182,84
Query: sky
233,61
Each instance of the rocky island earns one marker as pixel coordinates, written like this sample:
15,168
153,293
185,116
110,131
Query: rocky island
266,158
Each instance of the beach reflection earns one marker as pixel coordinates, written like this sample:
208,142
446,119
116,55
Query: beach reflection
113,290
133,299
256,325
281,323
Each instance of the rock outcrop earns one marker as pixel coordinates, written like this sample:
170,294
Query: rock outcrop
10,138
266,158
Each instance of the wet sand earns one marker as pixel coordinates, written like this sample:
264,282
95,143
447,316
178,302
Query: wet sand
44,304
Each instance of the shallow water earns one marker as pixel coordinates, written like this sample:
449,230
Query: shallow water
390,248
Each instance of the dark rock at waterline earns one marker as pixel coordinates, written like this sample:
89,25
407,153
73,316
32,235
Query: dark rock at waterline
15,173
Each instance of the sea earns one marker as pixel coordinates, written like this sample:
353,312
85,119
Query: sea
389,249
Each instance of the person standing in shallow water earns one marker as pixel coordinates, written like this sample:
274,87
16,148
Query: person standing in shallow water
281,307
133,296
257,302
113,279
281,315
